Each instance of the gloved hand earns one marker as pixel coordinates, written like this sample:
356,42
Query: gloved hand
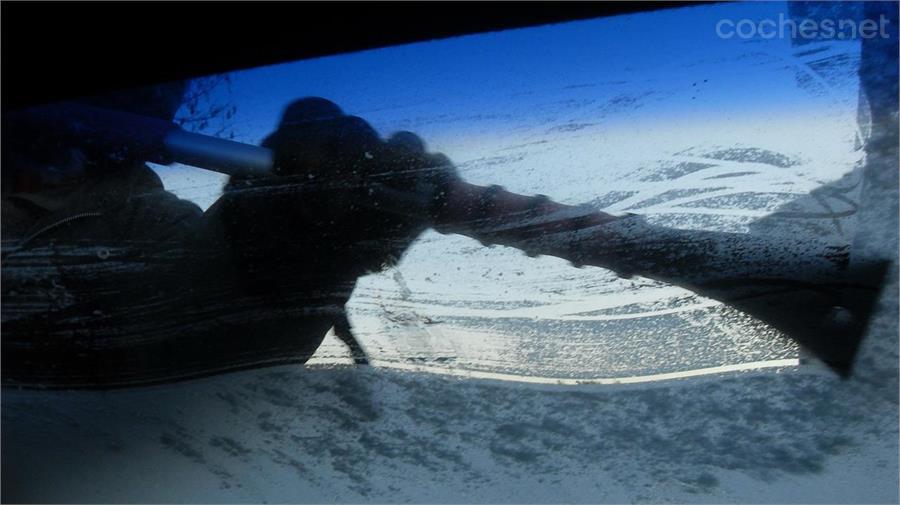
342,200
342,159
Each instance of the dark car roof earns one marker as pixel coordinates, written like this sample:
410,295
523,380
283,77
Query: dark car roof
77,51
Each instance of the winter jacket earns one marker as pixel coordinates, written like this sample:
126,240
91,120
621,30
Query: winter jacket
127,284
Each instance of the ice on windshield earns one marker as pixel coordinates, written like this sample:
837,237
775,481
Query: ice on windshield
654,115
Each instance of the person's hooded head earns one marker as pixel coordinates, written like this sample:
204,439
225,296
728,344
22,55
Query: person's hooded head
32,160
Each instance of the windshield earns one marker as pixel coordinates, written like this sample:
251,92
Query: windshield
653,114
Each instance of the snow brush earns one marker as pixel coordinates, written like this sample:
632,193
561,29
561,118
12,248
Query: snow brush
810,291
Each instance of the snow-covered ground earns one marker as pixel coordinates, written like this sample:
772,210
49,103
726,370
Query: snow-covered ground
479,352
